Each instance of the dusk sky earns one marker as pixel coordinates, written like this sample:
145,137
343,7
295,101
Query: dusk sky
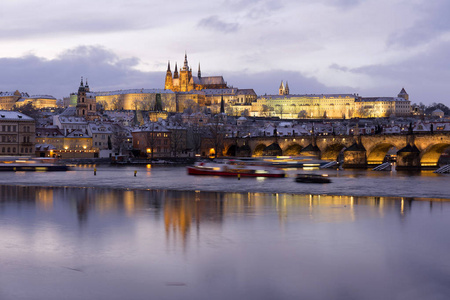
369,47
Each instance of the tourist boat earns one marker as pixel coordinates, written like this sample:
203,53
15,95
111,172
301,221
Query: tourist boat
233,168
18,164
312,178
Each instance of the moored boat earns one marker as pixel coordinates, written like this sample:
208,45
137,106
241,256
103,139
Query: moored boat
30,164
312,178
234,169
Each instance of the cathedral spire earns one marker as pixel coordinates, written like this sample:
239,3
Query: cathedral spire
175,73
199,72
185,67
281,89
168,66
81,83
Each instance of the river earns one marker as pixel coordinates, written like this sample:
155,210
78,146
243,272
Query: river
344,182
166,235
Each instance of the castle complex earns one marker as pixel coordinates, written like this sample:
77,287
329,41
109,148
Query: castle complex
183,91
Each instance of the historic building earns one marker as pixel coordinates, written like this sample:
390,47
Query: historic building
17,134
9,99
305,106
152,140
86,103
184,81
335,106
399,106
38,101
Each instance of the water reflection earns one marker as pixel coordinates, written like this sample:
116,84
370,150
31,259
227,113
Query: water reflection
162,244
183,211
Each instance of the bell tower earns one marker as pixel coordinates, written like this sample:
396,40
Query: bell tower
82,106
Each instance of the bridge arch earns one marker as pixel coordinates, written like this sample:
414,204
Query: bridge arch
292,149
430,156
259,150
332,152
377,154
232,149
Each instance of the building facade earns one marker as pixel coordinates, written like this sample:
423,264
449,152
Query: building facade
152,141
9,99
17,134
38,101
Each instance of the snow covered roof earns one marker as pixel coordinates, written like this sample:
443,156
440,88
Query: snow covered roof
218,92
41,97
209,80
14,116
320,96
381,99
134,91
16,93
153,127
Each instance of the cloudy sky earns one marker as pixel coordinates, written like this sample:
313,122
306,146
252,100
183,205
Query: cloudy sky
369,47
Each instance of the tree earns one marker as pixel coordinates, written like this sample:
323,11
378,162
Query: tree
116,104
177,138
150,140
433,106
109,143
217,134
29,110
264,111
119,138
302,114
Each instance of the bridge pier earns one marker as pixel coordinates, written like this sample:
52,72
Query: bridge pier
311,150
408,158
355,157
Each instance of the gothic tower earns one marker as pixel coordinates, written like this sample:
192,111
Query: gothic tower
185,76
169,81
281,88
175,73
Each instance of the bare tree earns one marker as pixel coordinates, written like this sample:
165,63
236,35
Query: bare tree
177,139
216,129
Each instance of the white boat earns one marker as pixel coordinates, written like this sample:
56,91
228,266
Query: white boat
234,168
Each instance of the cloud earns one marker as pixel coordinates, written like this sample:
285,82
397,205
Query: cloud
432,22
60,76
214,23
268,82
424,76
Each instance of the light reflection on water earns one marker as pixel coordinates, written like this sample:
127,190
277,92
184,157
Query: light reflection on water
92,243
357,182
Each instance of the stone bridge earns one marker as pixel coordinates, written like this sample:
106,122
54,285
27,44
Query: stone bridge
413,151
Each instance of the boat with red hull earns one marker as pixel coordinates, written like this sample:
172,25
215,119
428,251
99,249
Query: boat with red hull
234,169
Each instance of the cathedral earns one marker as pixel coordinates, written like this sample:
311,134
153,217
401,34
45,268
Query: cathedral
183,81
